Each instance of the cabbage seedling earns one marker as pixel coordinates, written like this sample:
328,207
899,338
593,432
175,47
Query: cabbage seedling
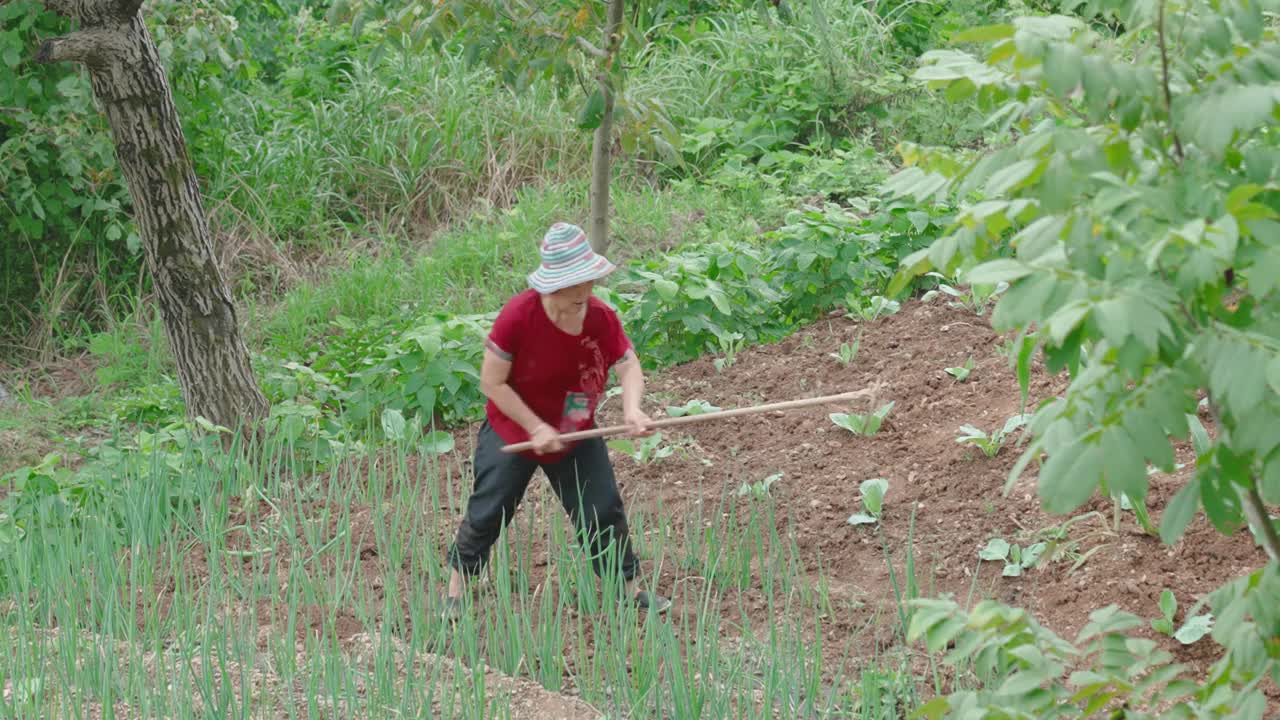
1191,631
1015,558
643,450
847,352
975,298
759,490
879,306
990,445
693,407
863,424
872,501
962,373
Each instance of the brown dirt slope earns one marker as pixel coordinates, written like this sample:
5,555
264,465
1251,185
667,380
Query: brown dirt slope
956,490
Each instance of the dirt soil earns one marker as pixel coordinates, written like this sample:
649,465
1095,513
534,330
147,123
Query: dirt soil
956,491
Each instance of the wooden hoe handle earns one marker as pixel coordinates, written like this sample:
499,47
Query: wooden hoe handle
718,415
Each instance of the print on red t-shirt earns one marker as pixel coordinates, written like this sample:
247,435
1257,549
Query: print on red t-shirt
561,377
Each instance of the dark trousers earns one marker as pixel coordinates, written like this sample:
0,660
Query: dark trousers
583,480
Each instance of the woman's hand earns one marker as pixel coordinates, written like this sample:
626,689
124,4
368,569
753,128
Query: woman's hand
639,422
545,440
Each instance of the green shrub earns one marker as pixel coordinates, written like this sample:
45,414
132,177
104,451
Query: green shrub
1137,222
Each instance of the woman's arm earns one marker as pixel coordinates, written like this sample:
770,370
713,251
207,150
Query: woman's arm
631,377
493,383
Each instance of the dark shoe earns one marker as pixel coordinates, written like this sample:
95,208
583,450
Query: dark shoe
452,609
646,600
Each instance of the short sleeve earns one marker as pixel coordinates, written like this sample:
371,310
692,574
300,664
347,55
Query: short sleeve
615,342
504,337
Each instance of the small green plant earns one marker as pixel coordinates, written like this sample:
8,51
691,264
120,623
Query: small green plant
1168,606
976,298
1007,348
729,345
1139,509
1015,558
1191,631
872,492
847,351
990,445
693,407
876,308
643,450
759,490
962,373
863,424
1063,544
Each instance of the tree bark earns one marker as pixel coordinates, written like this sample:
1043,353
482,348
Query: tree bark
602,142
199,314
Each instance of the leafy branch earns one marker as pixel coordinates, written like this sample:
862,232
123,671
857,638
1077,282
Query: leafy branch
1164,72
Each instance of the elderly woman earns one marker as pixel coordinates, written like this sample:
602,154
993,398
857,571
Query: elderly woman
545,366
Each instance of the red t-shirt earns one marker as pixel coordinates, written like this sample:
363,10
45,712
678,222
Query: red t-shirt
561,377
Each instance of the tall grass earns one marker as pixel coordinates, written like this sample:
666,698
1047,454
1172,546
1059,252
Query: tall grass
267,595
402,149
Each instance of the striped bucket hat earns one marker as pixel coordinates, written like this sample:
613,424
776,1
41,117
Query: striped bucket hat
567,259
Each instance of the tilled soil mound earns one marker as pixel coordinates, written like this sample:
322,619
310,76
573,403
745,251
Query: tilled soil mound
956,491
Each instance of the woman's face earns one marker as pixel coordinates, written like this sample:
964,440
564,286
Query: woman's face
571,299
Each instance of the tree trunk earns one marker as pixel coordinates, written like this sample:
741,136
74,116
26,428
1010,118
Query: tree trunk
199,315
602,143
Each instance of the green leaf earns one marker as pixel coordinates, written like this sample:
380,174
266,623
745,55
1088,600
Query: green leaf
861,519
667,289
1098,83
693,407
393,424
1147,431
873,492
1063,68
1194,629
940,634
919,220
1180,511
1240,196
437,442
996,549
1070,477
935,709
1028,456
996,271
1218,499
1199,436
1126,472
1269,483
1011,177
1026,352
1264,275
1041,236
1061,323
592,111
1213,120
1032,554
427,400
1217,34
1168,603
983,34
